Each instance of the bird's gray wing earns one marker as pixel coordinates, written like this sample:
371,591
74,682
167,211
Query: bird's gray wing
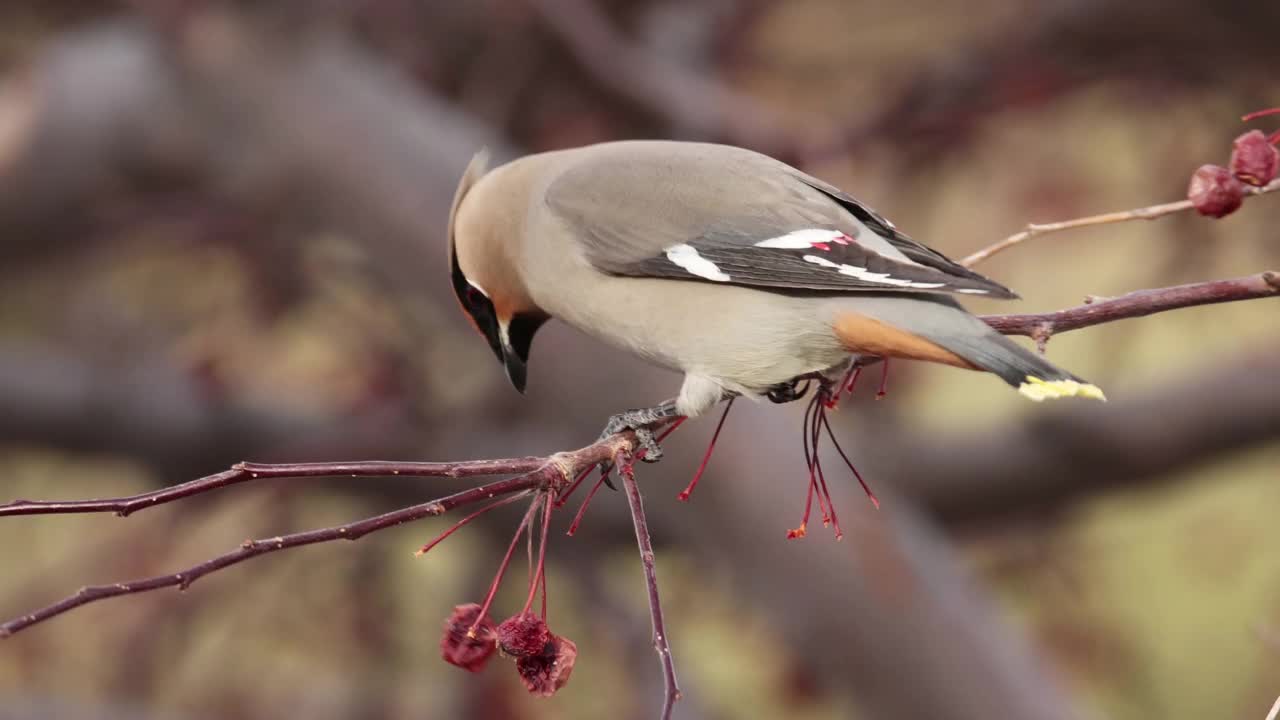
740,218
913,249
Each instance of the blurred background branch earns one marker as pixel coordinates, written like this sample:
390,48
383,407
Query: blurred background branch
222,232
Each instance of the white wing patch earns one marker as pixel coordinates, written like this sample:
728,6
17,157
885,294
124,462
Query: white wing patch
865,275
972,291
687,257
805,239
822,261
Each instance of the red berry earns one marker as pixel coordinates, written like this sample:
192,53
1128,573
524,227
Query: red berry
547,672
1254,159
523,635
1214,191
464,648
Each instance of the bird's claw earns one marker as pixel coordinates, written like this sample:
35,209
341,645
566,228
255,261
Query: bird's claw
647,443
640,422
788,391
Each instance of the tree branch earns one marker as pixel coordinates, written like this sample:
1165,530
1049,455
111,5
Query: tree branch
645,544
1140,303
552,473
1150,212
245,472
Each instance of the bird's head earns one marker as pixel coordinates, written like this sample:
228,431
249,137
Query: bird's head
485,279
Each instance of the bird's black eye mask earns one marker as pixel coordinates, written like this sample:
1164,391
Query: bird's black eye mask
511,347
479,308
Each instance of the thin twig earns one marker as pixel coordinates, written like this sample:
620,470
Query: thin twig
246,472
552,473
1144,213
1137,304
645,544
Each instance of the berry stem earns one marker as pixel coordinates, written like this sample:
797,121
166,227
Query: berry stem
577,518
851,379
1248,117
865,488
800,531
542,559
458,525
825,503
573,486
706,457
502,570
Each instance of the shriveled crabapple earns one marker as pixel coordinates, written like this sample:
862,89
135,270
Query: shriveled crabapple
545,673
523,635
1214,191
1254,159
469,640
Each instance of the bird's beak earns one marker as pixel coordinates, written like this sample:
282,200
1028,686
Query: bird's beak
516,335
517,371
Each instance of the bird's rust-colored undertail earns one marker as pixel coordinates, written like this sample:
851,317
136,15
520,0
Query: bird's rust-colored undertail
869,336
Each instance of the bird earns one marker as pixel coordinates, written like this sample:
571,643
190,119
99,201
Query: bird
745,274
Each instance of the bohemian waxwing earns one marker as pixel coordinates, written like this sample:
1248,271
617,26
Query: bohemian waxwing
736,269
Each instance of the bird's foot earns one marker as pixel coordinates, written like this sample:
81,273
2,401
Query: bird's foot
786,392
642,422
795,388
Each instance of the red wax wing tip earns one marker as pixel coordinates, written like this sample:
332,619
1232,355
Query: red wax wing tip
545,673
468,640
843,239
821,245
523,635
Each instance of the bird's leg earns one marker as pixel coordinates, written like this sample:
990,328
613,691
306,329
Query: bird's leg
642,421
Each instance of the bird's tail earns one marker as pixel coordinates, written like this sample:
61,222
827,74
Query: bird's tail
966,341
1030,373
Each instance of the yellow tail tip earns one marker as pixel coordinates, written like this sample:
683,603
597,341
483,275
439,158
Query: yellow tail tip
1040,390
